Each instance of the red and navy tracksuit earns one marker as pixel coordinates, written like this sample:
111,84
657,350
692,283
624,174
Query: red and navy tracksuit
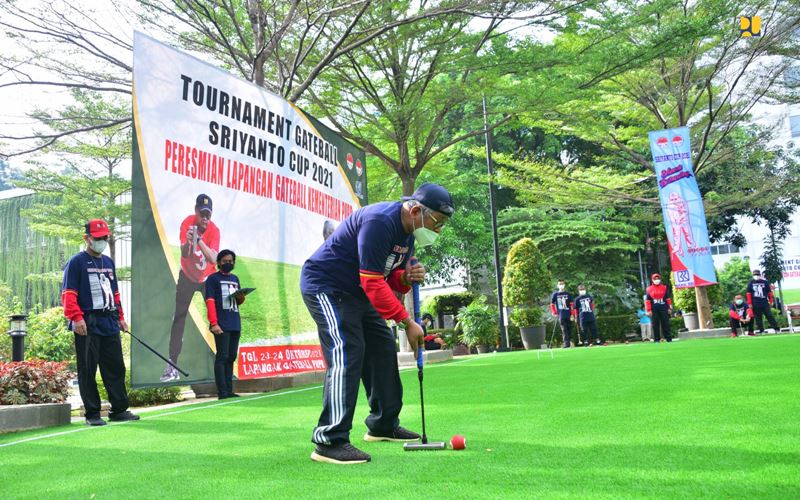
222,309
659,301
561,306
90,293
348,286
739,313
760,299
584,307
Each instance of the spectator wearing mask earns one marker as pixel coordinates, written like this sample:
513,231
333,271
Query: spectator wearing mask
584,307
644,323
658,304
561,307
760,300
740,316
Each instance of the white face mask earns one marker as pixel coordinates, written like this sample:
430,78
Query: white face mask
656,282
424,237
561,288
98,246
582,292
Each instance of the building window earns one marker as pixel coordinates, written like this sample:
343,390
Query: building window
794,123
724,249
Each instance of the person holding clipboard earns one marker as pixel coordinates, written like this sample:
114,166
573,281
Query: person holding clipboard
223,298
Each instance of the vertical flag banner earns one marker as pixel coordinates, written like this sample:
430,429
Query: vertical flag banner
220,163
682,205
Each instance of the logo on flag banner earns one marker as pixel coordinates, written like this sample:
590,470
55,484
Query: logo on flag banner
682,205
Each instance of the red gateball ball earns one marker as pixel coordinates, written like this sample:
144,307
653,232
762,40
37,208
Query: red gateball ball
458,442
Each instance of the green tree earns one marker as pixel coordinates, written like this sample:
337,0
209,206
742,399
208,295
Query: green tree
772,258
283,46
589,247
733,277
90,185
412,94
526,282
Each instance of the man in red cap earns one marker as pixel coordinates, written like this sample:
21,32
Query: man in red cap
658,304
90,297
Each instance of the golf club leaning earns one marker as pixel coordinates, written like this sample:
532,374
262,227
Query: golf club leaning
424,445
170,363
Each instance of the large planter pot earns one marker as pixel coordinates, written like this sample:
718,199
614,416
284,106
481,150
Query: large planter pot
460,350
533,336
691,321
483,349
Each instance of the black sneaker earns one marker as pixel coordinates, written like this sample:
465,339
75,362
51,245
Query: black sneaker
399,435
95,421
342,454
125,416
234,395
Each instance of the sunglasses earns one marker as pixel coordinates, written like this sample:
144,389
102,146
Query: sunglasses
438,223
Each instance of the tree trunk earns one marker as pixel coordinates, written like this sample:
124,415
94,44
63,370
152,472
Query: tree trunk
408,189
705,320
409,184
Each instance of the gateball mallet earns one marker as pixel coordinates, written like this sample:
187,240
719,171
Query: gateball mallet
424,445
170,363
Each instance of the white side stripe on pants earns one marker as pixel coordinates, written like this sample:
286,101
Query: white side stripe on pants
336,395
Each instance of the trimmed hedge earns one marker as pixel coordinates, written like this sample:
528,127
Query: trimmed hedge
609,328
150,396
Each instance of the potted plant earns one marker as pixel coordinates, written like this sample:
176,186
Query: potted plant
525,284
477,325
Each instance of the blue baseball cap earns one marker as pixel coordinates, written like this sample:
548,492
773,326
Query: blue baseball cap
434,197
203,202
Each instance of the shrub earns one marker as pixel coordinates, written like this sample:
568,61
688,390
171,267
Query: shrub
524,316
149,396
684,298
525,282
614,328
676,324
609,328
48,337
514,336
34,381
447,303
478,323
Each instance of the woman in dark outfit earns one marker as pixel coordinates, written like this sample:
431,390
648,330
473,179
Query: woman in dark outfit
223,299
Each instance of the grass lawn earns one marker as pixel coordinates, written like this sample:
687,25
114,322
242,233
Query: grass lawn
711,418
791,296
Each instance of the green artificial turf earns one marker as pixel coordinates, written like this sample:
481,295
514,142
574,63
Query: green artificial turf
700,418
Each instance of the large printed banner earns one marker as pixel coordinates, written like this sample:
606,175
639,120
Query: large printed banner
275,182
682,204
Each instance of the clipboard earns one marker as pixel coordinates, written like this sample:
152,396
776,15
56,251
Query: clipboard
246,291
